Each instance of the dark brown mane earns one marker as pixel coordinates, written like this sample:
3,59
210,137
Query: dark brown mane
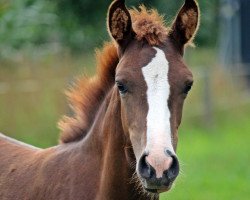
88,93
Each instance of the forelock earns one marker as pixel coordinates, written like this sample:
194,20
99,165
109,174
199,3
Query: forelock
149,25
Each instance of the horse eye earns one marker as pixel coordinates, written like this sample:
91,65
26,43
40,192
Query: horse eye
187,88
121,87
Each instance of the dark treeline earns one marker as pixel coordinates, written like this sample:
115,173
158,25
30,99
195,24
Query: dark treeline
80,24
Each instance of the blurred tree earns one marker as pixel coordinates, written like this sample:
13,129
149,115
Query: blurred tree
25,23
80,24
83,21
80,19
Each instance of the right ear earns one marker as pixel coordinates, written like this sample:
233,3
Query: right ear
186,24
119,23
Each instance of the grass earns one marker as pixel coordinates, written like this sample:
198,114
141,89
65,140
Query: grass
215,161
213,149
32,97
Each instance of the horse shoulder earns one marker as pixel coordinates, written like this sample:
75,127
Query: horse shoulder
8,140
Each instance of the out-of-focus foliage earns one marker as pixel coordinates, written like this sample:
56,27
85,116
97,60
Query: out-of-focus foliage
26,23
83,22
79,24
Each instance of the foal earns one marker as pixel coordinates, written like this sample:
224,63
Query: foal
122,141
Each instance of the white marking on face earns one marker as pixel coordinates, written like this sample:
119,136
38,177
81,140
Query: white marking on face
158,91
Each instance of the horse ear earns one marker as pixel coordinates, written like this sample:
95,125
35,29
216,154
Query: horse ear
186,24
119,23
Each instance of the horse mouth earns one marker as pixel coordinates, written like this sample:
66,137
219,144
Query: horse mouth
158,190
151,190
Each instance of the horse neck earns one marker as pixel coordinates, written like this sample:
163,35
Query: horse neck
116,170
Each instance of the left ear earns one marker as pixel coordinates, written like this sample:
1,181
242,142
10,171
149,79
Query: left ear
119,23
186,24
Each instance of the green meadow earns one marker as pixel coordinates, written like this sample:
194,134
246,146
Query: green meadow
214,138
214,160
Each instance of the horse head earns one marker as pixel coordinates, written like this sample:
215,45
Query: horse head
153,82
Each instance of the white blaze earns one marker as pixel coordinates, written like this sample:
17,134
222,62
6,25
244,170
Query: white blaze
158,91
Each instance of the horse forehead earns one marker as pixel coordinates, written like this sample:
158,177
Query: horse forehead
146,64
156,71
138,54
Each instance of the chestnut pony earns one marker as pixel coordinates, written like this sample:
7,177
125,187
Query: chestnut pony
121,142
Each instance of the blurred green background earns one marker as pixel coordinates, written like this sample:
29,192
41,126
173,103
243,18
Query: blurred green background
45,44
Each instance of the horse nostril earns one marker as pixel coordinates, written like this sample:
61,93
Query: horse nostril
174,169
145,169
